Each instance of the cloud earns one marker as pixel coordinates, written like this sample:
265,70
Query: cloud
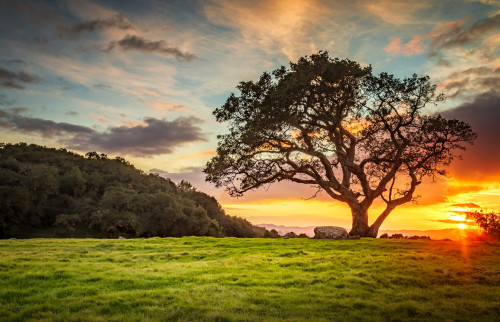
168,106
290,27
154,137
99,118
133,42
466,205
454,190
397,12
414,47
449,221
149,92
10,79
72,113
480,161
202,154
472,80
13,118
39,13
104,86
159,136
20,62
456,33
117,21
479,41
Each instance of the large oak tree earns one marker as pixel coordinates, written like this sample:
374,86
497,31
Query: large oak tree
333,124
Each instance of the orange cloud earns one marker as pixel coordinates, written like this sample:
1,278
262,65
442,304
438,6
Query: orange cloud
99,118
168,106
134,124
202,154
149,92
128,91
414,47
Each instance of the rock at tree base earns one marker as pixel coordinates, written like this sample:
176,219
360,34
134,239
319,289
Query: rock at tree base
330,232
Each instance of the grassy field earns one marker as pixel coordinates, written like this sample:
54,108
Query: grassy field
230,279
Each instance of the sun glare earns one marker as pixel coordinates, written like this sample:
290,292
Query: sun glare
462,226
457,217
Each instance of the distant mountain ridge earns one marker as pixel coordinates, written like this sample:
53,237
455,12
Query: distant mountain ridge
449,233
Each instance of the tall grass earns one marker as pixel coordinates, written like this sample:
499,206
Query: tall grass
229,279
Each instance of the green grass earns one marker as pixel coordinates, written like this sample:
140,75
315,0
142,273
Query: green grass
231,279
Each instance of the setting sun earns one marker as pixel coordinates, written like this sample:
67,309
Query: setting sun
462,226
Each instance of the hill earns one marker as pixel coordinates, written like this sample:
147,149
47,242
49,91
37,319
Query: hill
46,192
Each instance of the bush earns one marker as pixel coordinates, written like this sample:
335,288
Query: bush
489,223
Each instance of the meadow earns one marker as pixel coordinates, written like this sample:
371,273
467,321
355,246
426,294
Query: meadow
230,279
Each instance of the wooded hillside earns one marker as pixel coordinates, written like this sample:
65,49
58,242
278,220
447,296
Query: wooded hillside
46,192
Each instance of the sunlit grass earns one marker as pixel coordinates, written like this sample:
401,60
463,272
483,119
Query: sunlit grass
228,279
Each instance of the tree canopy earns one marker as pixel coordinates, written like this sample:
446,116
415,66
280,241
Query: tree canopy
56,193
333,124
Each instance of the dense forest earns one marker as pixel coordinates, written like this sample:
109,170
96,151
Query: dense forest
46,192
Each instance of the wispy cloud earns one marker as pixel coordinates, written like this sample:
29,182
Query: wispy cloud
133,42
466,205
202,154
271,25
160,105
457,33
117,21
149,92
398,12
471,81
99,85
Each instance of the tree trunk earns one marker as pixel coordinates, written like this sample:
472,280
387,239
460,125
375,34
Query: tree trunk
359,222
373,230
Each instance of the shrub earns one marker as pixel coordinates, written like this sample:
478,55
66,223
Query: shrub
489,223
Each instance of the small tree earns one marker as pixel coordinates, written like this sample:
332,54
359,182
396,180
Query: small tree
488,222
332,124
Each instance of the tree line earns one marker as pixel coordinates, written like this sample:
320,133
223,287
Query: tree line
47,192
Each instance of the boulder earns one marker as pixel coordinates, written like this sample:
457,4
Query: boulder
330,232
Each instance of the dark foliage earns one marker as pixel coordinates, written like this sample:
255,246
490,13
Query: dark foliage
57,193
488,222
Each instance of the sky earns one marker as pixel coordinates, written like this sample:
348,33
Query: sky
140,79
